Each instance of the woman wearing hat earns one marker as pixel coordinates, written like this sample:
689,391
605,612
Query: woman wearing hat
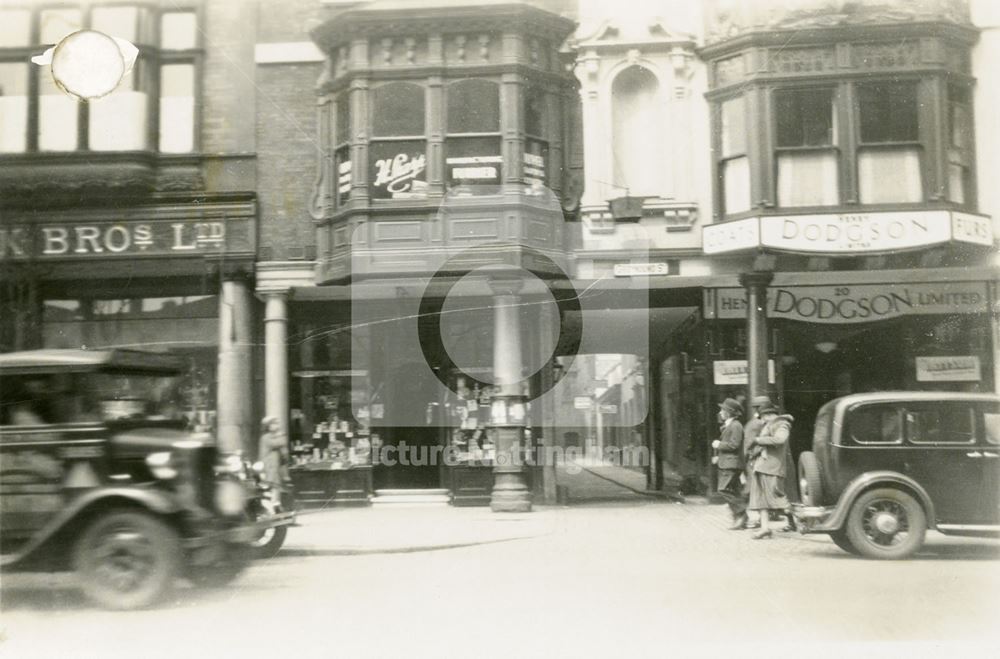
730,460
767,490
273,450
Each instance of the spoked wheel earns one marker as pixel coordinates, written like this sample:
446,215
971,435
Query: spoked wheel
269,543
127,559
887,524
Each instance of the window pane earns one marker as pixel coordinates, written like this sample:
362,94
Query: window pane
58,114
804,117
474,107
122,21
890,175
398,170
876,425
177,108
959,117
536,158
888,112
118,121
736,185
15,28
534,113
474,160
807,179
991,417
398,110
944,424
958,180
13,107
344,169
734,127
343,123
57,23
179,30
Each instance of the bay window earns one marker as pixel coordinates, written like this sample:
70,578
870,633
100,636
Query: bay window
472,143
36,115
398,151
806,157
734,165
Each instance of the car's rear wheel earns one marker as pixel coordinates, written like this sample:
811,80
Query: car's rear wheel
840,539
127,559
886,523
810,483
269,543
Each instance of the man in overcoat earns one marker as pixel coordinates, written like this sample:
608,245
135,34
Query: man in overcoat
730,460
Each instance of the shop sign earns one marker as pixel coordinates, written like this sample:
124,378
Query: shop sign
608,408
474,169
731,236
398,170
132,238
534,163
641,269
841,233
734,371
956,368
858,303
582,402
343,179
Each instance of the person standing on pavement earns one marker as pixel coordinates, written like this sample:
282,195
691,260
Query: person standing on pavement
730,460
750,432
767,491
273,450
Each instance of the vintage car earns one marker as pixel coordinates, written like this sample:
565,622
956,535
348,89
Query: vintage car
886,467
99,474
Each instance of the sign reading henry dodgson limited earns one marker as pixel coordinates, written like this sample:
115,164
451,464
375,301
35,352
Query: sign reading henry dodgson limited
856,303
848,233
126,239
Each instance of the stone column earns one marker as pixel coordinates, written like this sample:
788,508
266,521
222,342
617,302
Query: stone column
510,488
236,427
756,284
276,357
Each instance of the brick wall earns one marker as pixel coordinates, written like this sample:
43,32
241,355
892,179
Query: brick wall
229,35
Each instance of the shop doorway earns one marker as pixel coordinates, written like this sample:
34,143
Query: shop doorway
414,451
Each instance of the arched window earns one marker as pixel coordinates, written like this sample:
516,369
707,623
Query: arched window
472,147
398,151
638,152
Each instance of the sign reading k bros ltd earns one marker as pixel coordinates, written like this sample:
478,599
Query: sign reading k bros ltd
858,303
126,238
840,233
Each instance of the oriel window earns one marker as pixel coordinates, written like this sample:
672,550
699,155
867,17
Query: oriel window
472,145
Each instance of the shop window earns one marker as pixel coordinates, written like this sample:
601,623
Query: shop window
960,144
472,146
119,121
638,154
806,156
940,424
734,165
889,150
397,155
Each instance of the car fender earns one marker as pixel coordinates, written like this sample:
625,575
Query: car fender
872,479
154,500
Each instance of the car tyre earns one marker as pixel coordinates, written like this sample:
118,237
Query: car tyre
886,523
127,559
810,482
222,572
840,539
269,543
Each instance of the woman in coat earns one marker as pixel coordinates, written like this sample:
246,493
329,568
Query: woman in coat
767,490
273,450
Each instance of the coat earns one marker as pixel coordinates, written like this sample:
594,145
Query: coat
731,446
274,455
770,446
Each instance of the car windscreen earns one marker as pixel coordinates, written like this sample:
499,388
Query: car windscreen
136,396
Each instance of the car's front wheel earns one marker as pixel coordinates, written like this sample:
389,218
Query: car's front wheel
886,523
127,559
269,543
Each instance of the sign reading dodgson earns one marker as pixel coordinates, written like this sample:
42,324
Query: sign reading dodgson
107,239
858,303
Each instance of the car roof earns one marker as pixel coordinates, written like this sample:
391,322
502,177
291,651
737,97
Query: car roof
913,396
60,360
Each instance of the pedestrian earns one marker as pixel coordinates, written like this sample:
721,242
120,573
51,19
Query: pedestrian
767,490
750,432
730,460
273,450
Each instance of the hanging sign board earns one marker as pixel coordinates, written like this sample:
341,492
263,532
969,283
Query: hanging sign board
953,368
734,371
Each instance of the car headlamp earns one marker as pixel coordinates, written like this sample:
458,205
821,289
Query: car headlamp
230,498
160,464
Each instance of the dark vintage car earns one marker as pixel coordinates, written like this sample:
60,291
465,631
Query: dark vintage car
98,474
886,467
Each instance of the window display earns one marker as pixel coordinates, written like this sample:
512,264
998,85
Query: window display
328,434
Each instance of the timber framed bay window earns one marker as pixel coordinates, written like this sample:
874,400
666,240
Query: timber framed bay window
472,144
843,118
154,108
397,154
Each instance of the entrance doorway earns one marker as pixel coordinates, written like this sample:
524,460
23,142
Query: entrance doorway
414,450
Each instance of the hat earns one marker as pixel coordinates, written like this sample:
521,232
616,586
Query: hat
761,401
769,409
732,406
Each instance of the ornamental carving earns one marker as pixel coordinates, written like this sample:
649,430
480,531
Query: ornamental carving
802,60
729,70
885,56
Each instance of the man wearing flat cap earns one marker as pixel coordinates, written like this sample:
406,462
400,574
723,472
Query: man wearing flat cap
730,460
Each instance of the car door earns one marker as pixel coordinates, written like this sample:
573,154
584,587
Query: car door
990,443
945,458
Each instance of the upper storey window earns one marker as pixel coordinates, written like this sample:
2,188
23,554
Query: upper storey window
734,164
889,153
398,151
806,154
35,115
472,146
